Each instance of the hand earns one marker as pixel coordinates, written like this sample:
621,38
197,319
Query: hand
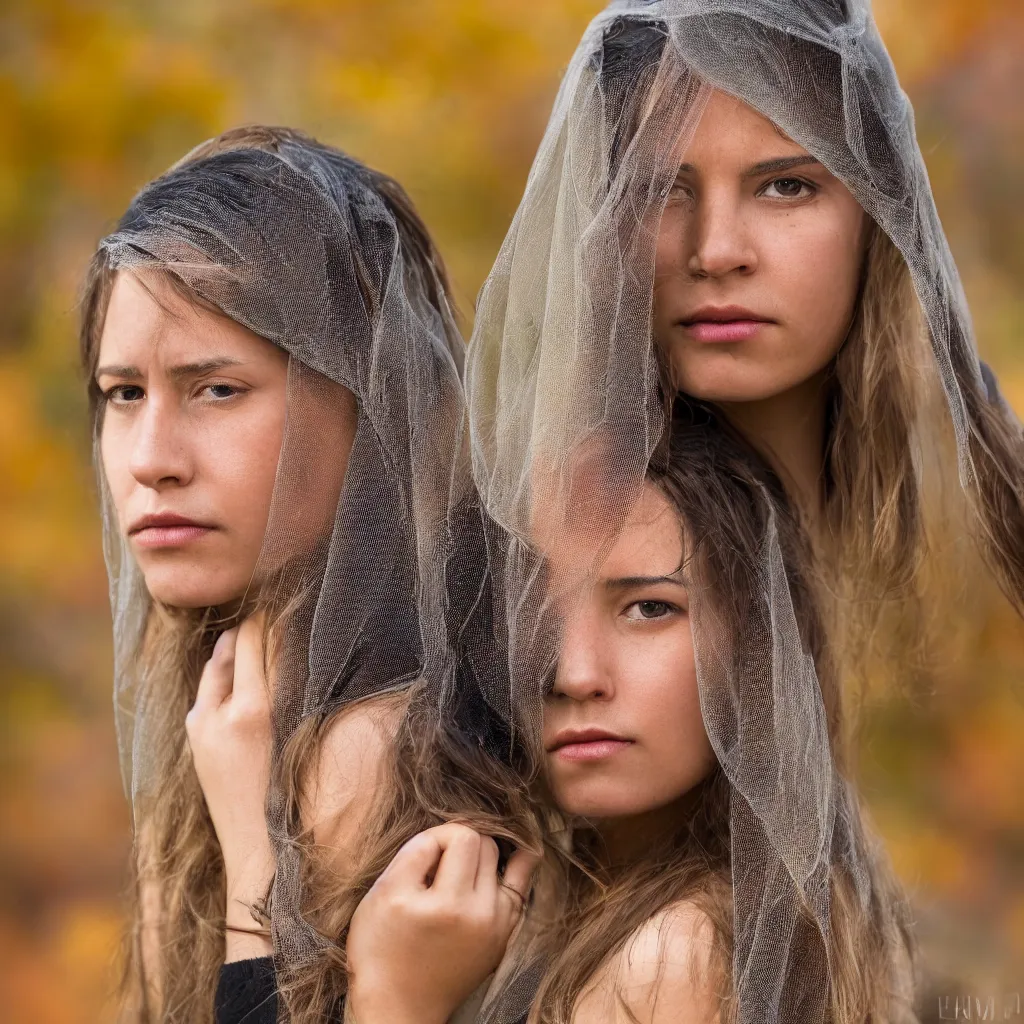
434,926
228,731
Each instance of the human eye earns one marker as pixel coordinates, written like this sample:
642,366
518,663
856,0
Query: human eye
681,190
646,610
788,188
220,392
123,395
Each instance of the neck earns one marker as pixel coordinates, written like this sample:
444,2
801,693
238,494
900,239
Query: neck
788,430
628,838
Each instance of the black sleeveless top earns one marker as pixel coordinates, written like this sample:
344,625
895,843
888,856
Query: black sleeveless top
247,992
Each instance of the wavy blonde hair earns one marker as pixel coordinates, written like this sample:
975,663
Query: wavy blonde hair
891,542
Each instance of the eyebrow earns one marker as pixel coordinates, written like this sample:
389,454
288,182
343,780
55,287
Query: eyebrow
633,582
782,163
196,369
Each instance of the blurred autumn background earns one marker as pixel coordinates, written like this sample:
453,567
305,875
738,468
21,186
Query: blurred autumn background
450,96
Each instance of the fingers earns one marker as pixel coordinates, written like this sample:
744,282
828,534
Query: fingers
415,863
487,864
460,860
250,669
519,875
457,860
445,858
217,680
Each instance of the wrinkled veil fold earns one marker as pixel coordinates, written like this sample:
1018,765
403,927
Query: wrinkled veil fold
563,388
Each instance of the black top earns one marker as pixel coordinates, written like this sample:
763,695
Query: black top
247,992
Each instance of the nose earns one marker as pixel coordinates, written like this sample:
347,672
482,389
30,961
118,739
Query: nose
719,242
584,672
159,456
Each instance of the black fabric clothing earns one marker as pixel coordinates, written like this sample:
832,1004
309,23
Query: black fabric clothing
247,992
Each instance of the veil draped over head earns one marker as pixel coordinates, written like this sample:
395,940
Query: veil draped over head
563,388
376,555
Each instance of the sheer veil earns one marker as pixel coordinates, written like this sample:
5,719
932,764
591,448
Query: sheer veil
375,558
564,394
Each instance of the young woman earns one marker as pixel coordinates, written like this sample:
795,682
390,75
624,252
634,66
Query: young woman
741,181
729,213
274,379
639,924
653,703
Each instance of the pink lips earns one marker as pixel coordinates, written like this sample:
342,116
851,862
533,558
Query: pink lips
728,330
723,324
594,750
166,530
589,744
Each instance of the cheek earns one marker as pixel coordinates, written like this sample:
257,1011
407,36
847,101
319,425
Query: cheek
241,454
314,464
668,257
669,248
673,752
673,730
335,439
817,269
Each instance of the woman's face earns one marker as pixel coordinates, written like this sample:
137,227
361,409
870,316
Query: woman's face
623,732
758,261
192,426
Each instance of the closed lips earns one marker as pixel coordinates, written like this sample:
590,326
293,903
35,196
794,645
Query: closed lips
574,737
165,520
166,531
723,314
725,324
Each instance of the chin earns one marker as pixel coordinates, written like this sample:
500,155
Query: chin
734,384
720,377
602,801
192,589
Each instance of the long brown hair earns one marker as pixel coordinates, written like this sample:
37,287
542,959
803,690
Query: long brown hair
892,491
175,942
724,496
456,764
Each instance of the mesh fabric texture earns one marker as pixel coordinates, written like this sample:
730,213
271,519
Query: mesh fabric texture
566,411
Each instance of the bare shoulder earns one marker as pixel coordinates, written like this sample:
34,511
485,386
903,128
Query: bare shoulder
349,767
661,975
356,739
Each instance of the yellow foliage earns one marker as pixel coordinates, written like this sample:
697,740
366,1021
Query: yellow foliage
451,96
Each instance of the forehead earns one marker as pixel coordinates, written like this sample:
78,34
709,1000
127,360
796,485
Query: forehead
730,127
649,543
148,320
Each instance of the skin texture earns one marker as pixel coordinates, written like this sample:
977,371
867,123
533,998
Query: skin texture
228,726
350,770
627,667
657,976
787,245
442,891
433,927
193,423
